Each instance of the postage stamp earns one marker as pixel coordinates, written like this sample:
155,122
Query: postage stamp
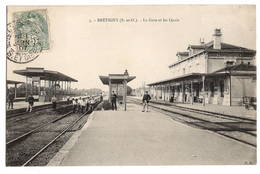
27,36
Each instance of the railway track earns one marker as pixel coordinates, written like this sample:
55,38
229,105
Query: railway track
28,115
36,109
220,115
233,127
53,140
21,137
64,123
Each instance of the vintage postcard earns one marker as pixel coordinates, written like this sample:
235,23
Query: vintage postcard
131,85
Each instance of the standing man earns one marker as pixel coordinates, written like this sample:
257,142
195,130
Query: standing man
74,104
31,102
92,103
113,100
101,97
146,99
80,104
83,105
54,102
87,103
11,100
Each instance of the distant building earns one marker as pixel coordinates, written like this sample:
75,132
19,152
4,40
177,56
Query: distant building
211,73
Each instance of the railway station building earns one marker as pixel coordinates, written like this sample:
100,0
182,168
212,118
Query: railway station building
210,73
43,84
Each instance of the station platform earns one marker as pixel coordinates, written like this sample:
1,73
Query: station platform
239,111
133,137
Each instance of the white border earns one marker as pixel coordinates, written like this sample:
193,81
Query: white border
134,169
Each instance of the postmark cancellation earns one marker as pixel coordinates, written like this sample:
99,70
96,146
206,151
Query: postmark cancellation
27,36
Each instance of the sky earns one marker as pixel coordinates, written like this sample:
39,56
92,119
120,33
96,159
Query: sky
84,50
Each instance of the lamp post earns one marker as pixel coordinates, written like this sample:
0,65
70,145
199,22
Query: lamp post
126,75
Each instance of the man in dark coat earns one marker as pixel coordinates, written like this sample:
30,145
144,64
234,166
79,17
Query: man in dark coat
10,100
146,99
54,102
113,100
31,102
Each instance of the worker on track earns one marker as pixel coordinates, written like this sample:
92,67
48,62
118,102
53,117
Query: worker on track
74,104
87,104
10,100
54,102
83,105
30,100
92,103
80,103
101,97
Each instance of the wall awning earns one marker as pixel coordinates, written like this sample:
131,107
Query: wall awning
235,70
191,76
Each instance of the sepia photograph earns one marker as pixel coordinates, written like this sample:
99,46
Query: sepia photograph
130,85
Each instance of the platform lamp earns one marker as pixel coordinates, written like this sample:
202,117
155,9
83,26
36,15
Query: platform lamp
126,75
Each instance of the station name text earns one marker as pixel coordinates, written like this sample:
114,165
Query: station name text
134,20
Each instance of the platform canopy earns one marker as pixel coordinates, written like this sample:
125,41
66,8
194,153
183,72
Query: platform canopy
13,82
44,74
115,78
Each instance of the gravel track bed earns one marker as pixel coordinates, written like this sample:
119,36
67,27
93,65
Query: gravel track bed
50,152
20,153
15,129
17,154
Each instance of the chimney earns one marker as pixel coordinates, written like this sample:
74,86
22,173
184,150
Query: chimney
217,39
202,41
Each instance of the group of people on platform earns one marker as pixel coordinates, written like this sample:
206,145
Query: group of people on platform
82,105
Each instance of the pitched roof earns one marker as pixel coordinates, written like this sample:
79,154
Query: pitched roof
208,47
224,46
